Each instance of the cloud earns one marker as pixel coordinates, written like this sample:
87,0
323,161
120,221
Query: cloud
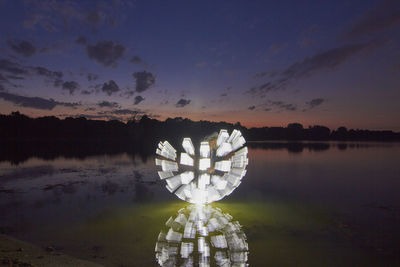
224,94
35,102
18,69
52,48
110,87
100,116
46,72
92,77
144,80
24,48
280,105
87,92
136,60
265,88
51,15
138,99
328,60
95,17
107,104
384,16
11,67
39,19
265,73
127,111
13,77
286,106
118,114
128,93
2,78
182,102
106,53
71,86
81,40
58,82
251,107
314,103
54,15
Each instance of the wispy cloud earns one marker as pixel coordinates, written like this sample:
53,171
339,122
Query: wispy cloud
314,103
108,104
22,47
328,60
384,16
54,16
281,105
19,69
35,102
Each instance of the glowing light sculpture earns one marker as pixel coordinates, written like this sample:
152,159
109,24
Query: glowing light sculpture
218,167
202,236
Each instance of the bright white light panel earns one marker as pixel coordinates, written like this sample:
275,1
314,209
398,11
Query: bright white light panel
220,169
202,236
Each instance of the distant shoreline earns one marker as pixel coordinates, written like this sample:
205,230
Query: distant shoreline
20,128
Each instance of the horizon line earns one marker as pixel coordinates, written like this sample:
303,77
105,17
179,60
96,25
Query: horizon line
104,118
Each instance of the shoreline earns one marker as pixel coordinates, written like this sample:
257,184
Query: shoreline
14,252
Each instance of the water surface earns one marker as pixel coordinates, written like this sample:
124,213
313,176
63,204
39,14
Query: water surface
302,204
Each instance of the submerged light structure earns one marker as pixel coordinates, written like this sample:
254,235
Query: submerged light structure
200,235
206,175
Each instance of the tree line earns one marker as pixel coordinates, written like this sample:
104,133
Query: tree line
19,127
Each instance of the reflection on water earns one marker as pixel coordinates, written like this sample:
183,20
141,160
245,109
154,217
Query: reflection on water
18,153
200,235
302,204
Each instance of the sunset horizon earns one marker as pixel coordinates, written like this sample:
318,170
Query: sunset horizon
110,60
199,133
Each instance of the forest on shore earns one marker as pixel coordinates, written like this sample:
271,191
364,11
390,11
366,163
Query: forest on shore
19,127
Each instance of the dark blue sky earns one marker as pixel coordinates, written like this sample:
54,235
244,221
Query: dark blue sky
258,62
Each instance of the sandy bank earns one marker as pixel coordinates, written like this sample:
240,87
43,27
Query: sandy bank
15,252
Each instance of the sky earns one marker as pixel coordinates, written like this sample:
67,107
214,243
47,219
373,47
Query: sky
260,63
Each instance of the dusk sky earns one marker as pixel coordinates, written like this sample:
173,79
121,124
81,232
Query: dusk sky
262,63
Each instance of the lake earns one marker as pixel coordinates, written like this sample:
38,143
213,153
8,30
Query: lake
300,204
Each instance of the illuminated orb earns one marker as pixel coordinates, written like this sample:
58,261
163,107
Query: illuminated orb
202,236
206,175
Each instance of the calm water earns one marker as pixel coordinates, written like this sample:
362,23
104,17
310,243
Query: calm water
310,204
